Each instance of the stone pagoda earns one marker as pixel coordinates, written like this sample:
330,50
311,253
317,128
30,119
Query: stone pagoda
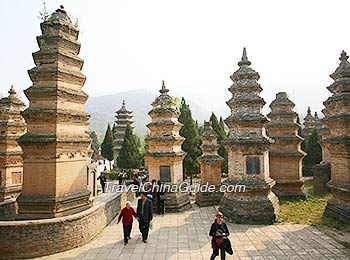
210,163
337,118
308,123
12,126
123,118
285,154
248,152
55,147
164,155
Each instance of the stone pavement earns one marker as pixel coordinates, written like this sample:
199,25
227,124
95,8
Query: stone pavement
185,236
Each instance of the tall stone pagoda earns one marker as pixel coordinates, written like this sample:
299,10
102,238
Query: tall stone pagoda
248,152
210,163
55,147
337,118
12,126
164,155
285,154
123,117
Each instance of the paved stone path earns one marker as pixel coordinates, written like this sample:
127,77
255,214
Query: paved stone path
185,236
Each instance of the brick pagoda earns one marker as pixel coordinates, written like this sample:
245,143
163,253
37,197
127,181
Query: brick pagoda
337,118
55,147
285,154
210,163
12,126
248,152
164,155
123,117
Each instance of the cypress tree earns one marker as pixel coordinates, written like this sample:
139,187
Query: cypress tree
114,129
94,144
107,145
192,143
129,155
220,131
222,125
313,149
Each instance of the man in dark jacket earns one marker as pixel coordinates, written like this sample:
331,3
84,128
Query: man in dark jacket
103,180
145,214
219,233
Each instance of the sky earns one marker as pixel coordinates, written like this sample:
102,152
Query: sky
194,45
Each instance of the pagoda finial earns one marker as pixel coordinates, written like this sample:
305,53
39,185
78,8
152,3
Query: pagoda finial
308,111
12,91
316,114
123,103
61,10
343,57
163,90
244,60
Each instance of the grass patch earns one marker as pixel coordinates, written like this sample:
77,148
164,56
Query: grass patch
310,212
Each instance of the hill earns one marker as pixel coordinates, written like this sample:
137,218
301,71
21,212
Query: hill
102,109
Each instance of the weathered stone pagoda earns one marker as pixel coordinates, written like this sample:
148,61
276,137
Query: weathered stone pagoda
337,118
55,147
123,117
248,152
210,163
285,154
308,123
164,155
12,126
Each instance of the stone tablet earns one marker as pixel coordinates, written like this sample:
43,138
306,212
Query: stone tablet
253,165
165,173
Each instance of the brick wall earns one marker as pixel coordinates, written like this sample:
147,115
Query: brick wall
8,210
33,238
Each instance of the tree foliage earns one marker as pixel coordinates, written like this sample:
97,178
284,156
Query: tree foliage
219,128
129,156
94,144
313,149
192,143
107,145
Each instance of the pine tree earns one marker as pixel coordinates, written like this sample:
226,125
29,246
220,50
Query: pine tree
129,156
114,129
107,145
220,131
94,144
313,150
192,143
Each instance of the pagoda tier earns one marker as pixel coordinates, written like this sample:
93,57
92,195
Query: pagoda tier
337,118
12,126
311,122
55,147
123,118
164,156
210,163
248,157
285,154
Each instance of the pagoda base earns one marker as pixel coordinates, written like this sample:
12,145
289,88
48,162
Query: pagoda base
177,201
292,189
339,205
256,204
322,175
10,192
204,199
47,206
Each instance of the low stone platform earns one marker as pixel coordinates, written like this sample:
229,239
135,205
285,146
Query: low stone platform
32,238
184,235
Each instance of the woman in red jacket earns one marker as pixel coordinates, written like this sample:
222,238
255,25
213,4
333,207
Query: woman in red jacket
126,213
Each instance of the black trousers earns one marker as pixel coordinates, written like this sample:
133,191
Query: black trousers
103,187
144,228
160,206
127,231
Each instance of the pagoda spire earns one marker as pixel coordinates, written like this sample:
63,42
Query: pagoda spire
244,60
12,91
163,90
308,111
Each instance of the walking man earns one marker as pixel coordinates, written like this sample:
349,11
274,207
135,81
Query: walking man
145,214
103,180
126,213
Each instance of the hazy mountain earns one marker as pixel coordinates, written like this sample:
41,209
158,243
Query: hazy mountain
102,109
